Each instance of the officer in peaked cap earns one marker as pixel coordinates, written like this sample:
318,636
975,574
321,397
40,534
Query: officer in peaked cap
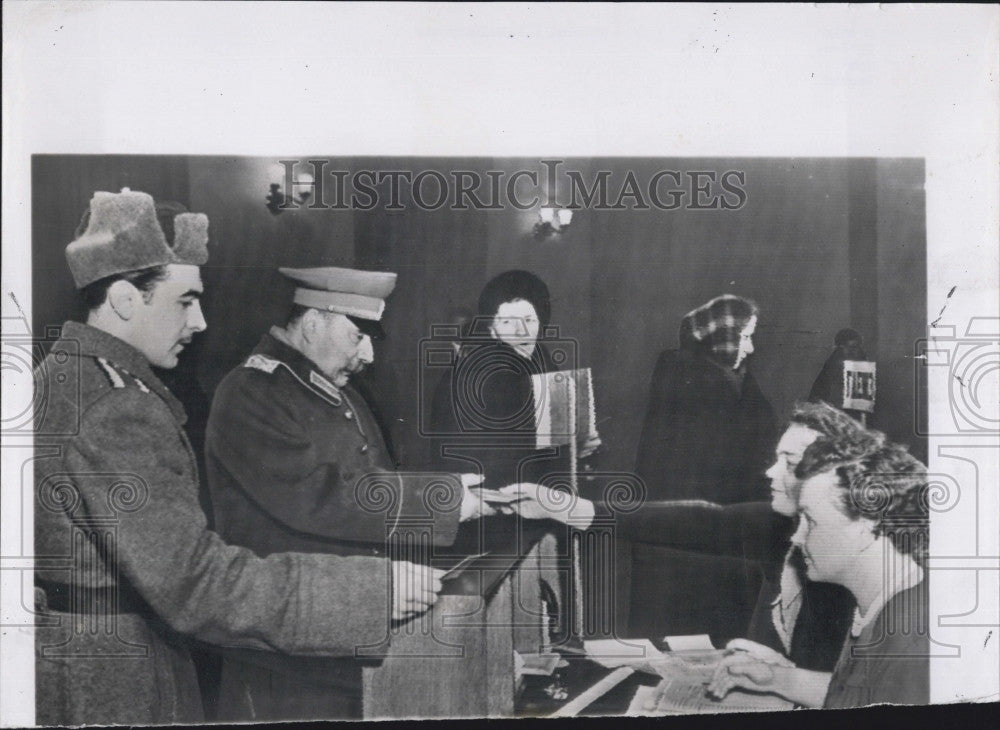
110,447
295,458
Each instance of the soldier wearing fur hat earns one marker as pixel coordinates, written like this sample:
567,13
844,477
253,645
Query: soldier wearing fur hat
292,449
126,571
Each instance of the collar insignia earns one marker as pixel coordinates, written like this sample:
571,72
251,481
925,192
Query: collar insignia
325,385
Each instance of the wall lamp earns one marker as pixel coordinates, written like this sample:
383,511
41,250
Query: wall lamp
278,201
551,221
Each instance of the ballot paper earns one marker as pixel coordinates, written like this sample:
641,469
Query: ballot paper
621,652
536,664
492,496
691,642
564,407
462,565
694,666
679,695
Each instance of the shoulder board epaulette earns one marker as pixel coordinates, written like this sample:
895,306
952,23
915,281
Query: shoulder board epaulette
259,362
114,377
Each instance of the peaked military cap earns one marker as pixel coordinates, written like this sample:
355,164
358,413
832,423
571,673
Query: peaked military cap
121,232
359,295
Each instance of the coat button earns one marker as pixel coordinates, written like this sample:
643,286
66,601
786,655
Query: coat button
348,415
364,449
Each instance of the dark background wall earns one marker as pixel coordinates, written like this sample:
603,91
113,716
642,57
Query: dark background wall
820,244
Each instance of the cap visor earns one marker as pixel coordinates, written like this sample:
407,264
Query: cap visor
369,326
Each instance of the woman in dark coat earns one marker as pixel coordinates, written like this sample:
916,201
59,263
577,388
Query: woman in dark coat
709,434
483,409
709,431
483,417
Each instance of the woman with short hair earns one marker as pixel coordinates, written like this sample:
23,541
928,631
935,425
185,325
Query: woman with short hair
863,524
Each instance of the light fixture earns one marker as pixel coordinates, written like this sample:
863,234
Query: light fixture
277,200
552,220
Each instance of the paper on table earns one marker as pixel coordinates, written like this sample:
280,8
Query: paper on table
679,695
621,652
691,642
538,664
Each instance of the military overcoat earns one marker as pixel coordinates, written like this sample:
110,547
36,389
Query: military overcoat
126,571
296,463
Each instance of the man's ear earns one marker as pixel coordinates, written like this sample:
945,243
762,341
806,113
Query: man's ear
123,298
308,325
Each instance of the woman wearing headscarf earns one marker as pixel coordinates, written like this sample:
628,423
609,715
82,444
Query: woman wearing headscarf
483,417
709,431
484,408
709,434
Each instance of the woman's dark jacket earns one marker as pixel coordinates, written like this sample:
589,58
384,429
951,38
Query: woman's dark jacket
483,418
709,432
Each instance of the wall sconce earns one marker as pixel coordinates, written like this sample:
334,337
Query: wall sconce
277,200
553,220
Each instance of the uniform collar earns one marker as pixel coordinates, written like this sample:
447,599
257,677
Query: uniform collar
94,342
274,345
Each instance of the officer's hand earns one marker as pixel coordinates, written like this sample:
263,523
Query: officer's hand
474,505
471,480
415,588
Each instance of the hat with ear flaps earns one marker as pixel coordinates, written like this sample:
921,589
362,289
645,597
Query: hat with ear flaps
127,231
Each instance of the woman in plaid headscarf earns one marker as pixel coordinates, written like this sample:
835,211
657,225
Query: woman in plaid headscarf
709,430
709,434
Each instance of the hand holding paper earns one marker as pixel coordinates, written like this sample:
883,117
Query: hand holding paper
473,503
415,588
538,502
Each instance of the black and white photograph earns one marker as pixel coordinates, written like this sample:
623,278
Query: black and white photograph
470,361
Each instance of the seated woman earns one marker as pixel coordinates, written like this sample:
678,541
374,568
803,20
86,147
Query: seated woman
863,525
795,618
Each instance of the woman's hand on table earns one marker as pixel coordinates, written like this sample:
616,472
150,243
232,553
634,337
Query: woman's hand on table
742,670
759,651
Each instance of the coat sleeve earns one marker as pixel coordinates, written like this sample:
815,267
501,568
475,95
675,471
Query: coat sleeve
296,603
278,463
750,531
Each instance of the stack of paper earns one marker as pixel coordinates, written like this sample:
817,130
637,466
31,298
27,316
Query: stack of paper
679,696
621,652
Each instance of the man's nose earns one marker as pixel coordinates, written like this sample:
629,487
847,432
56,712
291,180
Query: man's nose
366,353
196,319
